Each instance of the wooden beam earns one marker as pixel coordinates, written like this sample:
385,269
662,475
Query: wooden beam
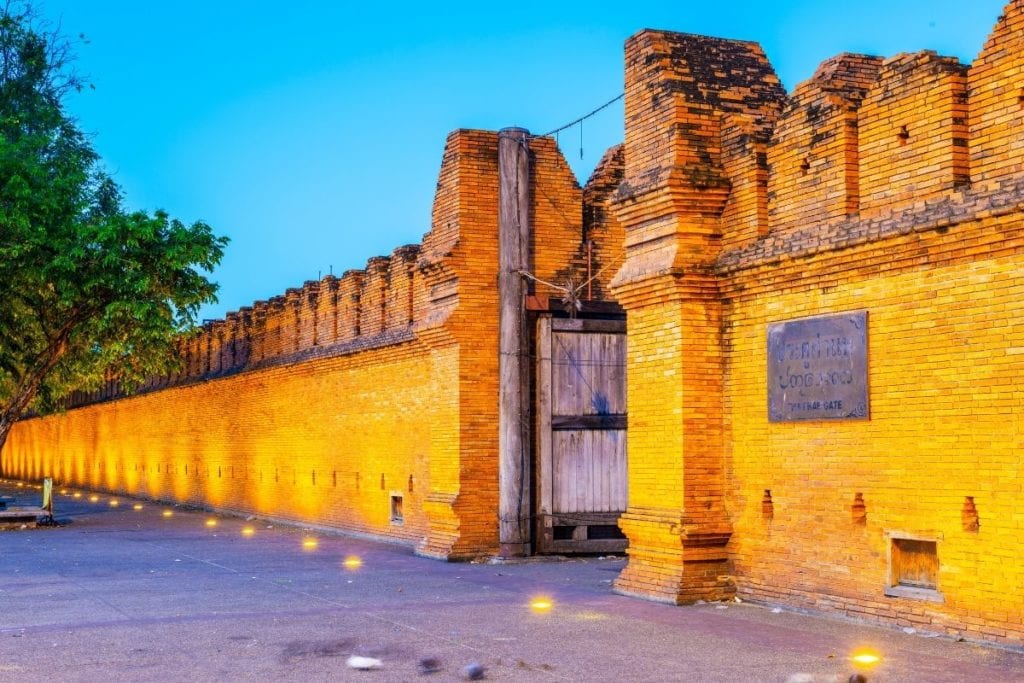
584,325
575,422
514,234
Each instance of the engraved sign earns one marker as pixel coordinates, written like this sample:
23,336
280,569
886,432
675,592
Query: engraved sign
817,368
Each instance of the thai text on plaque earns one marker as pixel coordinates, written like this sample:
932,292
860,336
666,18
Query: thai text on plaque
817,368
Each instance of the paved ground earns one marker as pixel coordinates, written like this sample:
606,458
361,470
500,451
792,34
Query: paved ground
120,594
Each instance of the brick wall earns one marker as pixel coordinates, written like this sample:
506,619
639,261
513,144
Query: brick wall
944,369
675,187
321,404
813,152
996,113
887,185
913,132
326,441
892,186
601,227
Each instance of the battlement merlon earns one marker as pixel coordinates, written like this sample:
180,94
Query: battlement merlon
678,88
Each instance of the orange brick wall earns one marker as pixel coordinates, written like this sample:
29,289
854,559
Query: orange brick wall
600,224
879,185
913,132
324,442
813,152
745,163
669,204
462,289
943,375
997,107
319,404
891,186
557,218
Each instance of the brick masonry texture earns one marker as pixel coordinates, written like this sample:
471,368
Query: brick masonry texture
321,404
887,185
892,186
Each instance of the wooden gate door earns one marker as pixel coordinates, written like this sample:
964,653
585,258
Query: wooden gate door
581,435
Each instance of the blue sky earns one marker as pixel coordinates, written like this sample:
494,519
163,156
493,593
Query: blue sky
311,132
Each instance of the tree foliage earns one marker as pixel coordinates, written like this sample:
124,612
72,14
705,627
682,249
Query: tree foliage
87,288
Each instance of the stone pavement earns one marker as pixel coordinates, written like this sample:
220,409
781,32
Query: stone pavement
129,594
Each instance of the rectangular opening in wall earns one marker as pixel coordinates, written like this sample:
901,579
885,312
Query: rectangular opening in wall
396,509
604,532
914,569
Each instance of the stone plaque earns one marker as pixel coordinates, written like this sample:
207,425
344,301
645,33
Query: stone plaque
817,368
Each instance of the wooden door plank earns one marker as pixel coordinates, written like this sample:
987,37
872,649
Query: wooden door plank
557,471
619,485
564,472
563,395
588,422
585,518
590,546
607,463
581,325
544,389
582,474
599,401
587,464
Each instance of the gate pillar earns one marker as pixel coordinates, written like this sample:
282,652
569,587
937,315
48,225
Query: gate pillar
676,520
671,200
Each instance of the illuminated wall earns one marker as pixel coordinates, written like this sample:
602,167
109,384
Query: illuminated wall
891,186
326,441
323,404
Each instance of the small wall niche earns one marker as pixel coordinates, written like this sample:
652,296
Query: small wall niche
859,510
969,516
913,567
767,506
397,515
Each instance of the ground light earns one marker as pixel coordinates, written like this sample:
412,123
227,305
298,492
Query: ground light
865,658
248,531
114,503
137,506
77,494
211,523
352,563
167,513
541,604
309,544
94,499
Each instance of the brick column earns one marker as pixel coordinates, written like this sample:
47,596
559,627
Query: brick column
670,203
676,521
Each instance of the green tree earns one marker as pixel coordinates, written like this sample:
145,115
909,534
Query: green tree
87,288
